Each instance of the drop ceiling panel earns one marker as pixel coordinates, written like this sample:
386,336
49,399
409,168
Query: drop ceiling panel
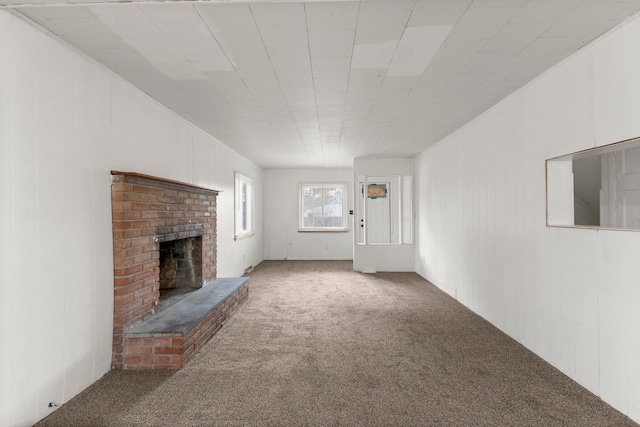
254,68
291,79
335,99
302,107
323,86
437,12
332,16
375,31
487,62
516,37
290,58
69,12
235,30
460,52
585,19
331,43
482,21
549,47
416,49
281,24
331,67
315,83
263,86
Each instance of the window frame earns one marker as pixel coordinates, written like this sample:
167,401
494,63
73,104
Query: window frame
244,210
561,188
324,185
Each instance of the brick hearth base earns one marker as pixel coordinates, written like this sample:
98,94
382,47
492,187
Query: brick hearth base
169,339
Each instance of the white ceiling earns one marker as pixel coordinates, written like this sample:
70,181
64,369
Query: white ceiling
318,83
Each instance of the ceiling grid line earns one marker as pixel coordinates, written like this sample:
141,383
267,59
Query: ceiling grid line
318,83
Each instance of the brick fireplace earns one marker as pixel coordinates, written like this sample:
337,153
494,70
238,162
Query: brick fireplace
150,213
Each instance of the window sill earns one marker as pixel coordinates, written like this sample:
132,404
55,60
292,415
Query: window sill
592,227
323,230
243,236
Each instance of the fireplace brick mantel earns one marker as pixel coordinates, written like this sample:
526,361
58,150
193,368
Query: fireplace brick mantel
145,211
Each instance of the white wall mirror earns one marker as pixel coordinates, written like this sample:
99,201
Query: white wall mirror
596,188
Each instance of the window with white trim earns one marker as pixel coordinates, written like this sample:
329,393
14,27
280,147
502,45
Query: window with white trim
596,188
244,200
323,207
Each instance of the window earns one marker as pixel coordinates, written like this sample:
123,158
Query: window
598,187
323,207
244,206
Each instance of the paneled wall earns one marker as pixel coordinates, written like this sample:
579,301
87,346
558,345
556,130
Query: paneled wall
281,237
570,295
65,123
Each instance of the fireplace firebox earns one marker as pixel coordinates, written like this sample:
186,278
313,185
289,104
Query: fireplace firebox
180,264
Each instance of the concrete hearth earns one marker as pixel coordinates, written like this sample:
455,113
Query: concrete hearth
168,339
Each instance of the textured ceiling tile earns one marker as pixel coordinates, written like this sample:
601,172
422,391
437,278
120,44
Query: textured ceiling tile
263,86
332,15
305,107
487,62
459,52
541,11
254,69
482,22
368,78
416,49
290,58
341,78
331,67
585,18
516,37
235,30
281,24
330,86
381,21
438,12
331,43
547,50
330,99
62,12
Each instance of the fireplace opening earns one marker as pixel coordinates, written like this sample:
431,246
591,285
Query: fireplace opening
180,269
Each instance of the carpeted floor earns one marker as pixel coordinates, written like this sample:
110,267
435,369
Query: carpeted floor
319,345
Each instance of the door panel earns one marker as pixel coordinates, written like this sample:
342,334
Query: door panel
378,221
375,220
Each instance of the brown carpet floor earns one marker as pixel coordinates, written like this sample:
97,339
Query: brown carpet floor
317,344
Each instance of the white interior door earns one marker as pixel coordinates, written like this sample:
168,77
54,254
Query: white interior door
378,212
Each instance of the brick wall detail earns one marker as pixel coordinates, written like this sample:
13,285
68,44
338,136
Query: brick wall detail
145,211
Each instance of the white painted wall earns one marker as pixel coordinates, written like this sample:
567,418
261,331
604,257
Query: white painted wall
65,123
570,295
282,240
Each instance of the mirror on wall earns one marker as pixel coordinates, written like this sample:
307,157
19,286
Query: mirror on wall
596,188
384,210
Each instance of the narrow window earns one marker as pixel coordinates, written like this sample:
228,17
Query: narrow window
244,206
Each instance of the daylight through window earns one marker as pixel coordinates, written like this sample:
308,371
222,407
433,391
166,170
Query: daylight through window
599,187
244,206
323,207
